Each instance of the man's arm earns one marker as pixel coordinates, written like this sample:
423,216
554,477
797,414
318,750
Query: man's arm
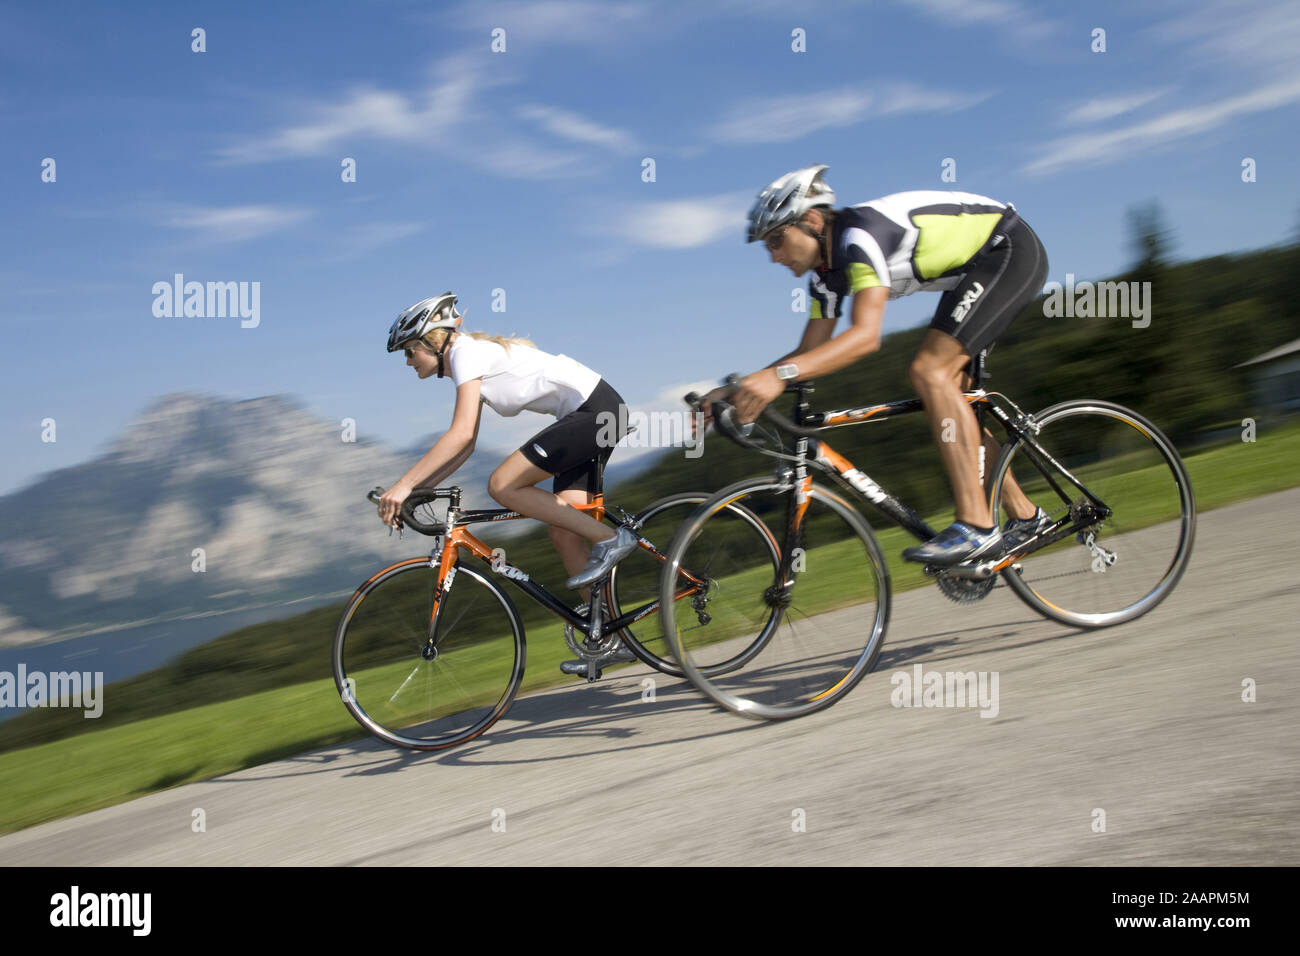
859,340
755,392
815,333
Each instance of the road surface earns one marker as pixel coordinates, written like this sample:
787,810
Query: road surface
1142,727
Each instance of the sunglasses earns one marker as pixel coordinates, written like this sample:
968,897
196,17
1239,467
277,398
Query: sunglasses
775,239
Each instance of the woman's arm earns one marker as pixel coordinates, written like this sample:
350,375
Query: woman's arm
447,470
448,453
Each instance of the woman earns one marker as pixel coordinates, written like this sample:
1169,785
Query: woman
510,375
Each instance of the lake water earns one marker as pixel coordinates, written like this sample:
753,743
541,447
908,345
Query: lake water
134,650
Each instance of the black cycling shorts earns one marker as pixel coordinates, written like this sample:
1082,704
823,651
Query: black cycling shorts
570,448
1001,279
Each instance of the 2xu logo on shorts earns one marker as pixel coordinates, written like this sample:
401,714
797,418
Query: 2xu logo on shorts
967,301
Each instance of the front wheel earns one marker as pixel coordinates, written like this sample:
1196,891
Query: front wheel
826,605
426,674
1107,564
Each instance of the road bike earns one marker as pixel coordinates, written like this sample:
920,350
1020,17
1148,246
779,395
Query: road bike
430,651
1117,539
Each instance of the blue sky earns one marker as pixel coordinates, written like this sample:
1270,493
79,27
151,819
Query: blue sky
522,170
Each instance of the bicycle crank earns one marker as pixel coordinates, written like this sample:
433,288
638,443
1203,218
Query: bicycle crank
593,652
975,573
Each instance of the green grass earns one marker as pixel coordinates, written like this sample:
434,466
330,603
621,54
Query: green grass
108,766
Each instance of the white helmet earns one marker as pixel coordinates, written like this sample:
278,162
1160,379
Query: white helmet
787,199
426,315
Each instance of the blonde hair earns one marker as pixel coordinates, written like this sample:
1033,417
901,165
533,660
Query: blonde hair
434,339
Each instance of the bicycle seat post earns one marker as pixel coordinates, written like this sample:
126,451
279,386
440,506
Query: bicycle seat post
977,371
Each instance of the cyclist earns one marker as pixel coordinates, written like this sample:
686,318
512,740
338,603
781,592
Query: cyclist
984,258
510,375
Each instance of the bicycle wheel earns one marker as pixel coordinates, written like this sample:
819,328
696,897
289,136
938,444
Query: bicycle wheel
1111,567
826,619
420,691
635,580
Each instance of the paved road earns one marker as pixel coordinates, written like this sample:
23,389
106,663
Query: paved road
1145,722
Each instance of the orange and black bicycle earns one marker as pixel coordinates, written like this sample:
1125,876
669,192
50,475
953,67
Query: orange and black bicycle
430,651
1113,539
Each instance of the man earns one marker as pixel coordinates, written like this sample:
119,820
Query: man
977,251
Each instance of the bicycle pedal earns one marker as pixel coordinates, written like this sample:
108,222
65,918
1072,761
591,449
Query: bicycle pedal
581,669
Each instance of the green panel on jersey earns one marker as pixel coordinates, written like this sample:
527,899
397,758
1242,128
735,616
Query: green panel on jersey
862,276
816,312
946,242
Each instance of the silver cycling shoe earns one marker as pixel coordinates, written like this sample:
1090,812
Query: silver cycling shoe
604,555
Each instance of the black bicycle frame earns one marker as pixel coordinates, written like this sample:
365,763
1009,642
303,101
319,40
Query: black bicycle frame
814,454
539,593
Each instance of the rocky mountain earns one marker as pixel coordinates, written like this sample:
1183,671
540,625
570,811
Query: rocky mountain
201,505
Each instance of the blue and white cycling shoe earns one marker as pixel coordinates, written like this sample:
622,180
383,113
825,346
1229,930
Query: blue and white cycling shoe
1016,531
954,544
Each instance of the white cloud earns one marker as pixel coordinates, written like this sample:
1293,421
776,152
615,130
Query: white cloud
573,127
529,25
1010,16
780,119
1260,38
365,113
520,159
366,238
683,223
906,98
1096,110
451,121
967,11
1100,147
234,223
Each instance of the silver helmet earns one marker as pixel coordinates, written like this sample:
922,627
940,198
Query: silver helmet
787,199
426,315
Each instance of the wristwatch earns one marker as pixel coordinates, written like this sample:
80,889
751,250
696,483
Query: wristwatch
787,371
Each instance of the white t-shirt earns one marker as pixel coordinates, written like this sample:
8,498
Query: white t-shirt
521,378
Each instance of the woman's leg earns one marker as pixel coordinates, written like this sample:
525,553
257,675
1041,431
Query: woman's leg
513,484
573,549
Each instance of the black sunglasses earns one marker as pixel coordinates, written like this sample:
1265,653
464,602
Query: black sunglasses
775,239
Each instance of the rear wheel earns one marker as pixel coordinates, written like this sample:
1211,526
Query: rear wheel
1115,562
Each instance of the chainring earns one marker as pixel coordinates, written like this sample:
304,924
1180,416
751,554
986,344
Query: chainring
965,590
597,652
